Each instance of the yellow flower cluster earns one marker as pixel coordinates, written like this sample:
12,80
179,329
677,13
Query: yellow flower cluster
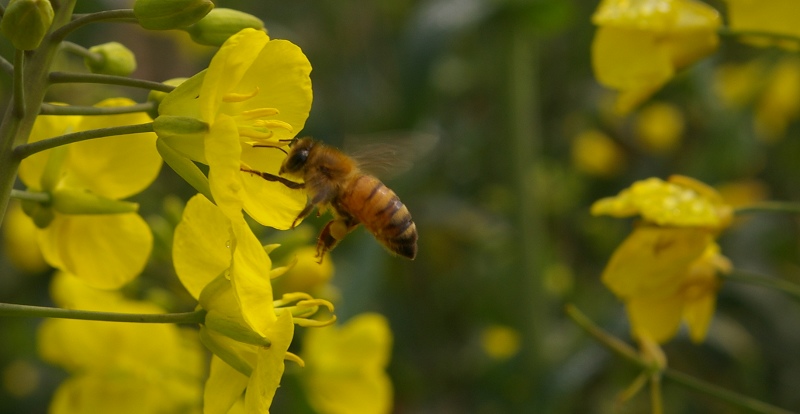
666,270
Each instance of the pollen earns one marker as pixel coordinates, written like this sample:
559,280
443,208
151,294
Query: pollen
240,97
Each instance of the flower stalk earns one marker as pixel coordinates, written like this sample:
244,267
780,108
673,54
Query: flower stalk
626,351
23,151
10,309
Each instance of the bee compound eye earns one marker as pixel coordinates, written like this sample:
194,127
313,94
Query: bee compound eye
297,160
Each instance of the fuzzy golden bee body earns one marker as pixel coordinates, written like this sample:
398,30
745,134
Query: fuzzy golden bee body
334,182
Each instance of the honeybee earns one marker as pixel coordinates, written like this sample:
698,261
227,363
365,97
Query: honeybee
334,181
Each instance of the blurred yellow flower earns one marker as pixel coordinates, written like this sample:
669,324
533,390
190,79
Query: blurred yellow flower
593,152
20,241
779,103
111,168
346,366
500,342
640,44
737,84
255,93
666,270
659,127
774,16
307,274
119,367
680,201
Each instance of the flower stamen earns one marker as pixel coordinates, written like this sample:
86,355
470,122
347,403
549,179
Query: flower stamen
258,113
273,123
239,97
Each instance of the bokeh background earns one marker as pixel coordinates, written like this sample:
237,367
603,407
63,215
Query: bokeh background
523,140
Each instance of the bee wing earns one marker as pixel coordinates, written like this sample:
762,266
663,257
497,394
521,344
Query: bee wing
389,154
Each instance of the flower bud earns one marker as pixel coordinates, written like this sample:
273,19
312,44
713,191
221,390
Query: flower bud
111,59
26,22
183,134
220,24
42,215
158,96
170,14
69,200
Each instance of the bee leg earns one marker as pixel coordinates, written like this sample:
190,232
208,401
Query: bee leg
332,233
274,178
303,214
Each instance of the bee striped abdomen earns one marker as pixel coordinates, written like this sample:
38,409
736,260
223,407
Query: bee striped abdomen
382,213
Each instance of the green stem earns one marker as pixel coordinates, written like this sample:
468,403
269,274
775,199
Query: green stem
754,278
626,351
9,309
755,33
23,151
36,196
63,77
84,19
15,130
81,51
19,85
769,207
49,109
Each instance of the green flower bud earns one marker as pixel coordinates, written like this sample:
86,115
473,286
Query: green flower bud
68,200
170,14
41,214
158,96
111,59
233,329
184,134
25,22
220,24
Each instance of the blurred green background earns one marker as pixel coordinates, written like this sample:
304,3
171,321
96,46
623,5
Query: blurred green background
500,202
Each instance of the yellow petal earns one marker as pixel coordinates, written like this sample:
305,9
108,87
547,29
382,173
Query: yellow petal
281,72
20,241
223,388
345,366
654,260
775,16
31,168
250,279
201,248
226,69
270,203
223,153
182,101
119,166
269,369
655,317
74,243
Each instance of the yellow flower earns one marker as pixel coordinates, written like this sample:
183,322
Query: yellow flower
659,127
256,93
346,366
595,153
736,84
119,367
500,342
111,168
666,270
681,201
640,44
20,241
775,16
779,103
222,264
666,275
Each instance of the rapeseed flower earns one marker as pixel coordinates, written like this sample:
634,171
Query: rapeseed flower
775,16
346,366
107,169
119,367
666,270
640,44
222,264
255,94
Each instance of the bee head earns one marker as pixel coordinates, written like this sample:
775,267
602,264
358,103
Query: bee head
298,155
